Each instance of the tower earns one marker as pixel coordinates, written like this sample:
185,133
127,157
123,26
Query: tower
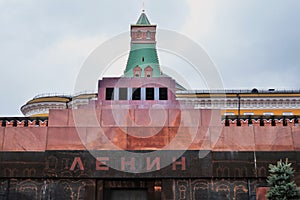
143,59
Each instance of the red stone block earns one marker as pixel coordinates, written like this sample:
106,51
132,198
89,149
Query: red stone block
236,139
151,117
84,117
273,138
58,118
107,117
25,139
211,117
216,137
117,117
182,138
147,138
201,140
174,117
148,132
261,193
1,137
185,118
109,82
114,139
96,139
117,136
296,137
66,138
146,144
71,122
191,118
142,117
138,83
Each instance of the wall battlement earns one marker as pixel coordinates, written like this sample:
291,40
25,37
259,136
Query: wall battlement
23,121
144,129
261,121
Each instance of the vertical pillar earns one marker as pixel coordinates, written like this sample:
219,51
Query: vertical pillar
129,94
143,93
116,94
156,93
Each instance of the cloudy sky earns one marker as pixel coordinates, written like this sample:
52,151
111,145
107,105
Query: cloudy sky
44,43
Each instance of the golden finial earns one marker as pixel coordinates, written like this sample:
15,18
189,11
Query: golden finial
143,7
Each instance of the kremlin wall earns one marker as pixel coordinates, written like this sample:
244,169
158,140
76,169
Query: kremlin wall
142,136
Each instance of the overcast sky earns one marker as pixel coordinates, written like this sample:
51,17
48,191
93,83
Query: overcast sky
43,43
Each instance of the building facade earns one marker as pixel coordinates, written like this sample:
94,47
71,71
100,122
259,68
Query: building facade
141,136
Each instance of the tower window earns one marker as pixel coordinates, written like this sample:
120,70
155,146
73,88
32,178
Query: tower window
123,94
149,93
148,35
137,71
109,95
163,93
268,113
136,93
139,35
143,59
148,71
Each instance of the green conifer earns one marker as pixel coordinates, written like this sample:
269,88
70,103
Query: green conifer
280,180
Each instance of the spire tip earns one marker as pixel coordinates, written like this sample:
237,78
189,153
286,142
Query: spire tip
143,8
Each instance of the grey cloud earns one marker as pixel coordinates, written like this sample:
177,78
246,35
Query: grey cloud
255,43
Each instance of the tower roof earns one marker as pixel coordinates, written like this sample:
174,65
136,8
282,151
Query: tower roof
143,20
143,52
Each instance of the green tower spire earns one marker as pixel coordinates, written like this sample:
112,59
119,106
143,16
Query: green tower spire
143,20
143,59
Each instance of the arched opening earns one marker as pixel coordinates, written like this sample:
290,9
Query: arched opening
139,34
148,35
148,71
137,71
